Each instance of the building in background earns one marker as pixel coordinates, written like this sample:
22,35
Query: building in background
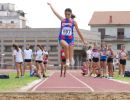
46,37
10,18
13,30
114,27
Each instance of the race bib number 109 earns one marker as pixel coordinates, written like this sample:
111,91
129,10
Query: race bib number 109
67,31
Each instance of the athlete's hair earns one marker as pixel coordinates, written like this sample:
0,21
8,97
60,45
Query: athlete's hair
40,47
16,47
89,47
69,10
29,46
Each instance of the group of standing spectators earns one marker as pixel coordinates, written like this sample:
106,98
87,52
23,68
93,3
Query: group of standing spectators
27,57
100,61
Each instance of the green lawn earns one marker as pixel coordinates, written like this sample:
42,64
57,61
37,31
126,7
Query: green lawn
12,84
118,77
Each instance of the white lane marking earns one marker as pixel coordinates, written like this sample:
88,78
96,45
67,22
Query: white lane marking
41,83
64,87
30,85
82,82
123,82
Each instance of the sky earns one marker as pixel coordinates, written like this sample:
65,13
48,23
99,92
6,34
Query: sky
39,15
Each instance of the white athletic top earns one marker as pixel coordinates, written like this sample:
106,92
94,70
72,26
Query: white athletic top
89,54
28,54
18,55
39,55
95,54
45,52
122,54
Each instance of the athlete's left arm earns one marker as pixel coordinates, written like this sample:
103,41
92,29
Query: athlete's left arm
79,33
127,55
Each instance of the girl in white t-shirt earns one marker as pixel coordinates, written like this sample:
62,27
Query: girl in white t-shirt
18,58
28,58
39,61
89,58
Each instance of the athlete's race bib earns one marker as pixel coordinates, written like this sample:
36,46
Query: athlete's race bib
66,31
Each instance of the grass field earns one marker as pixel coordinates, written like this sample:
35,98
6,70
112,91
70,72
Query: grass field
118,77
13,83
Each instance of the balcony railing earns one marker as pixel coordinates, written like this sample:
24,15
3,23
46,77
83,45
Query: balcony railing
116,38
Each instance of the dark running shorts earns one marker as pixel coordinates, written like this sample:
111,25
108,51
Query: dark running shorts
102,59
44,62
90,60
38,61
27,60
123,61
95,59
110,60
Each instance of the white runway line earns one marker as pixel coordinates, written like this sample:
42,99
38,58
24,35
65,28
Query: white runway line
65,87
83,83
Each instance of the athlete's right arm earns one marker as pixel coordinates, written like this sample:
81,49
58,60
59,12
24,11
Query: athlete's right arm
58,16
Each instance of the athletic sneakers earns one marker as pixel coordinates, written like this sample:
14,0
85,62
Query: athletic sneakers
72,62
110,77
67,63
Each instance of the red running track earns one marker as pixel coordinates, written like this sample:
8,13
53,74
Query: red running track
75,82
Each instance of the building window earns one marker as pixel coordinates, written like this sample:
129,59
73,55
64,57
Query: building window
53,48
19,40
8,55
52,40
120,33
30,40
41,40
102,31
12,22
8,49
8,60
119,46
8,41
1,22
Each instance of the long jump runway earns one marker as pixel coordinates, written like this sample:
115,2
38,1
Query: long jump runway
75,82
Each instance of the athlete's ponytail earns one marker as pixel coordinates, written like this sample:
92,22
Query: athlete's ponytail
72,16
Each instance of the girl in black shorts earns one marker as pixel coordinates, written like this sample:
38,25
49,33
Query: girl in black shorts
123,57
28,58
95,64
39,61
110,55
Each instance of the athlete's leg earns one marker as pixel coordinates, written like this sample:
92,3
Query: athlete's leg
66,48
20,67
123,70
61,69
71,55
25,64
104,68
17,67
65,71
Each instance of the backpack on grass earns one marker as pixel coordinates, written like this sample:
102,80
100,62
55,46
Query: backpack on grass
127,74
4,76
